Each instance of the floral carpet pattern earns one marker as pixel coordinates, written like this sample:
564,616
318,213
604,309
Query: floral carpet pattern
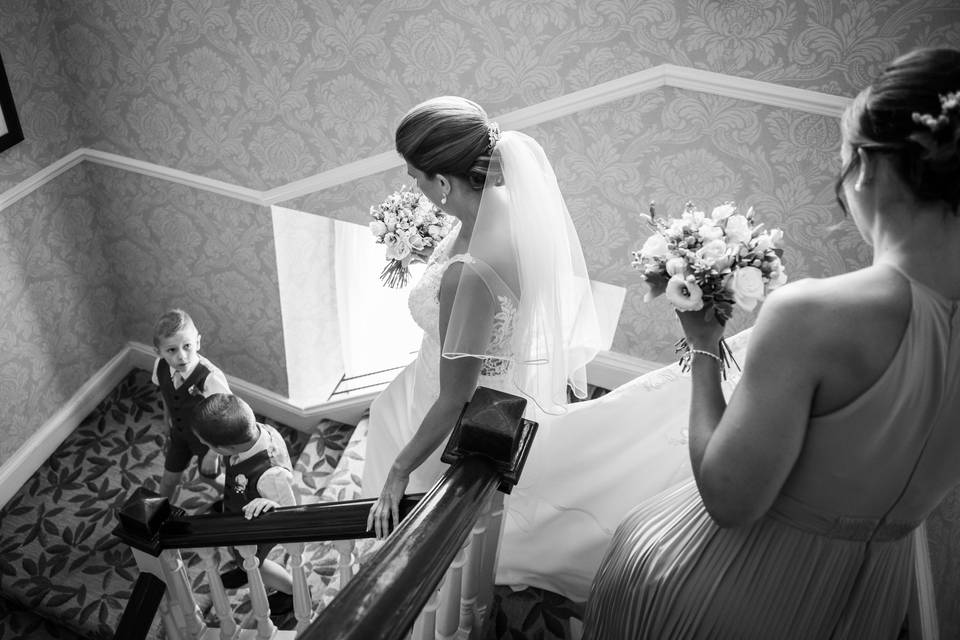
64,576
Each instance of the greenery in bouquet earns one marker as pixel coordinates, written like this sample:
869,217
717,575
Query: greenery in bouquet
410,226
710,262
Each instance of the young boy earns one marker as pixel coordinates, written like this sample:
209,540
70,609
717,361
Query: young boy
185,378
258,476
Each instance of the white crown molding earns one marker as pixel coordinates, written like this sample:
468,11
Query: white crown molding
662,75
40,178
174,175
768,93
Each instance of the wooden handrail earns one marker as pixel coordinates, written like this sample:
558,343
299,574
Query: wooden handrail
306,523
384,598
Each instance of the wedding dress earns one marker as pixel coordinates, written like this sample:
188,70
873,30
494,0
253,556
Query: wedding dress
588,466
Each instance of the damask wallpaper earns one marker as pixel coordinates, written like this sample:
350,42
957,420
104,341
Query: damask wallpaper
169,245
260,93
43,94
59,318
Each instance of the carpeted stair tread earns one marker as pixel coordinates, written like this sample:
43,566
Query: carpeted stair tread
319,458
58,556
17,622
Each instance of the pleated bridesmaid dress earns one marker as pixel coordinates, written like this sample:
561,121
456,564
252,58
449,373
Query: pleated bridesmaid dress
833,558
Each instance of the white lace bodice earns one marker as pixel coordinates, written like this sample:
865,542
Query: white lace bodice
424,304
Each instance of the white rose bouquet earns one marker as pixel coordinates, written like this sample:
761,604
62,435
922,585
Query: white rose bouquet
410,226
710,262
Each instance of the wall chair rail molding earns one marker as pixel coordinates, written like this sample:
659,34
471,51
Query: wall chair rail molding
649,79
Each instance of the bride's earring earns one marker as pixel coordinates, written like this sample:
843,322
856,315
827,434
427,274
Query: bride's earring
443,199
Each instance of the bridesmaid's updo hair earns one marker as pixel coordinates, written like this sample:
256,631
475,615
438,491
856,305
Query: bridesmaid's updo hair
927,155
448,135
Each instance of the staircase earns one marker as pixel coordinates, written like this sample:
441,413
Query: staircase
64,575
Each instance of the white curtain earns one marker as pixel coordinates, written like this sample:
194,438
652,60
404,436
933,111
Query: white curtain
305,253
376,329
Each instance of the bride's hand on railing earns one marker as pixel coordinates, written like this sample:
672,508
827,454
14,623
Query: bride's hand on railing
387,507
258,506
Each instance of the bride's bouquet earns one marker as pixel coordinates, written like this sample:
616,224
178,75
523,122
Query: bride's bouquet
410,226
710,262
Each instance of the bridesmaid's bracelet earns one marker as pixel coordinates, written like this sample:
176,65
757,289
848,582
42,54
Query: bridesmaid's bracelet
707,353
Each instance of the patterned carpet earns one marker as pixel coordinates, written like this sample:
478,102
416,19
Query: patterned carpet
64,576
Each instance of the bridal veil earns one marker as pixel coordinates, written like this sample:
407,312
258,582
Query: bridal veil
526,250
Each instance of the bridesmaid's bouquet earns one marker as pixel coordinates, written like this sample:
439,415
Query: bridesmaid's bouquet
410,226
710,262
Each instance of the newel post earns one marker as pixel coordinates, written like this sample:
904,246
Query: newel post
140,520
492,426
486,451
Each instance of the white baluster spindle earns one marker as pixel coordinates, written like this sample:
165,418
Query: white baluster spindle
258,594
182,601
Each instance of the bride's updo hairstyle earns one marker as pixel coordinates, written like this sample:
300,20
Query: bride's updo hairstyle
908,112
448,135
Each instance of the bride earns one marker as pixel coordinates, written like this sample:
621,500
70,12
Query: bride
505,302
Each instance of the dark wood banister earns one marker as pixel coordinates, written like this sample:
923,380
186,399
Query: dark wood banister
306,523
384,598
486,451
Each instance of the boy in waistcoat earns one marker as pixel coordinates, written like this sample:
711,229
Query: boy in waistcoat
258,476
185,378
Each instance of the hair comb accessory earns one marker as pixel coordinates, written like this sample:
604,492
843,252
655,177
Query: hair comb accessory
493,133
943,130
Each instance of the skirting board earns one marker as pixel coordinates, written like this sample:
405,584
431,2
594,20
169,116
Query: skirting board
17,469
608,370
272,404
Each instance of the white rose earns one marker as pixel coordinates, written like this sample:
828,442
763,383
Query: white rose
377,228
776,238
416,241
746,285
738,229
654,247
710,231
763,242
684,293
712,251
724,261
676,266
725,210
397,249
434,231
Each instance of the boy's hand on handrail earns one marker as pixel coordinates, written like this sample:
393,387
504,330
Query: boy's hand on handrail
258,506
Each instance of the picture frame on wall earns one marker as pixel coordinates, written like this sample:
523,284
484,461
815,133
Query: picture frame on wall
10,131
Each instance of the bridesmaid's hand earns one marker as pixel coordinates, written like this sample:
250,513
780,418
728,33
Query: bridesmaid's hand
701,329
387,506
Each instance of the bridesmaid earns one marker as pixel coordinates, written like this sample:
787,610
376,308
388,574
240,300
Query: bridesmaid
842,434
